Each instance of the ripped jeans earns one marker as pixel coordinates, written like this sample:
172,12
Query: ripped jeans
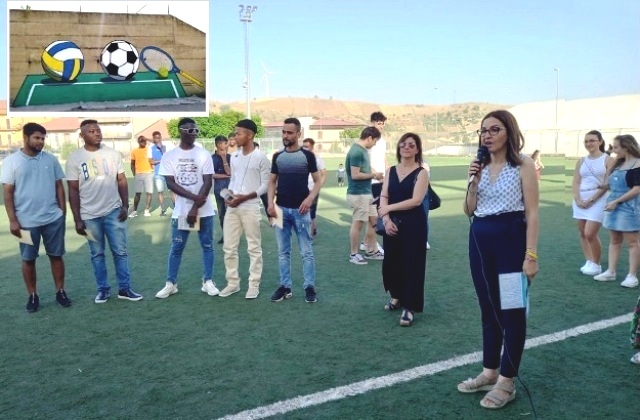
292,219
179,242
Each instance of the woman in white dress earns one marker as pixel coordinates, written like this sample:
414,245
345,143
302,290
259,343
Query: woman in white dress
589,200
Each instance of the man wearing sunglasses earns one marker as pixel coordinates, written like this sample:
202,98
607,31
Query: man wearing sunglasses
188,171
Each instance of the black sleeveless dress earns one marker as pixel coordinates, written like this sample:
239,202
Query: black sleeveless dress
405,256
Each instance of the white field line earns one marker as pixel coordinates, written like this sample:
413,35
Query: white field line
33,87
357,388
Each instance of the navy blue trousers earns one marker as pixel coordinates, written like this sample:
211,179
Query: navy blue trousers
497,245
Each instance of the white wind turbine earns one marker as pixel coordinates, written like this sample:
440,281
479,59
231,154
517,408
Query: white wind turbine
265,79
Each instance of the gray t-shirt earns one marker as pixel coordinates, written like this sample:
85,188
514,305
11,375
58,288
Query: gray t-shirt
34,181
97,173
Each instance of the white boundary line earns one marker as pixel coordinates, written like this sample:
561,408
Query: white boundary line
33,87
357,388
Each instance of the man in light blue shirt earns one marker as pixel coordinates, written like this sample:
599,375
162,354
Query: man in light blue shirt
35,203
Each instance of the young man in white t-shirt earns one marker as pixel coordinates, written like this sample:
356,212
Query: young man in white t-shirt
309,144
188,170
379,163
250,171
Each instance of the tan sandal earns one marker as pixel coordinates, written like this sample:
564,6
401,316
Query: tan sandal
480,383
496,400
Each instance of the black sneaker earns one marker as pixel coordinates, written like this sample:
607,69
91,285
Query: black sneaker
129,294
62,299
281,293
163,213
33,303
310,295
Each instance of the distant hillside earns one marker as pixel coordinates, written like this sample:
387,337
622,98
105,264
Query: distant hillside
453,120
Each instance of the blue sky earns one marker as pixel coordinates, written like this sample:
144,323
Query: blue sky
497,51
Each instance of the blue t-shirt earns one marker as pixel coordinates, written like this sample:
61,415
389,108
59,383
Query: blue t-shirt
34,180
293,169
156,156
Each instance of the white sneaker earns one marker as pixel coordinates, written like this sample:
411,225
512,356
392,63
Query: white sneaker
357,259
147,213
428,246
630,281
363,247
605,276
252,293
377,255
228,291
593,269
133,214
585,266
209,287
168,290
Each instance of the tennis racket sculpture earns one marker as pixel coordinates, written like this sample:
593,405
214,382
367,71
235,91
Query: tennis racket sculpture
154,58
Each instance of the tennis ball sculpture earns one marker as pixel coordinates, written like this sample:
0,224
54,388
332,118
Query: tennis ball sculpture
163,72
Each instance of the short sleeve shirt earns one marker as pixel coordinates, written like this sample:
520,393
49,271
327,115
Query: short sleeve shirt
188,167
34,181
155,154
358,157
218,168
141,158
293,169
97,174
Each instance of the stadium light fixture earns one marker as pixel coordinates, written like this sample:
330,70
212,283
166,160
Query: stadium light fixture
246,17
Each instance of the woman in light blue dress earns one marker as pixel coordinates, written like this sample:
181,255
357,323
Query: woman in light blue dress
622,211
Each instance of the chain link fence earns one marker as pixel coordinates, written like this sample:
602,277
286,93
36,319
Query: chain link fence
569,143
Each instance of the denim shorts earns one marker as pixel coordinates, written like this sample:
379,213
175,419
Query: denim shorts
52,236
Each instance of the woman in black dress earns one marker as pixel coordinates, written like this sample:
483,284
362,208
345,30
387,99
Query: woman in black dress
405,224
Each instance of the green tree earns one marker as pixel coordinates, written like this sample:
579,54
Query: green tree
350,133
216,124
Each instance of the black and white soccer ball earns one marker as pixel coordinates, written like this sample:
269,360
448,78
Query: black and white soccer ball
119,60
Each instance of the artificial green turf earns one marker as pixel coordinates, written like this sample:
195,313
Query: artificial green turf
194,356
38,89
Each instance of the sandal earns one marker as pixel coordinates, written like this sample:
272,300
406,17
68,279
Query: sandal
495,398
636,358
390,306
480,383
405,319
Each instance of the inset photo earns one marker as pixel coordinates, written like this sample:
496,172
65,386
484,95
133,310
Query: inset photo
108,56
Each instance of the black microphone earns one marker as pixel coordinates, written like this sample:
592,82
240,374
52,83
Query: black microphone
481,154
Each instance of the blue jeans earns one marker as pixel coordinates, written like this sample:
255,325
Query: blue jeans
293,219
179,241
116,233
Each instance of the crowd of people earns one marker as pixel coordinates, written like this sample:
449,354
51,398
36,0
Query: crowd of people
606,192
391,200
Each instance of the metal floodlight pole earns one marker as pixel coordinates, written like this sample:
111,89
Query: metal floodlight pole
436,89
557,70
246,18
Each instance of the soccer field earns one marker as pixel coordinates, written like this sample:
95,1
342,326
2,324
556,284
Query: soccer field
193,356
